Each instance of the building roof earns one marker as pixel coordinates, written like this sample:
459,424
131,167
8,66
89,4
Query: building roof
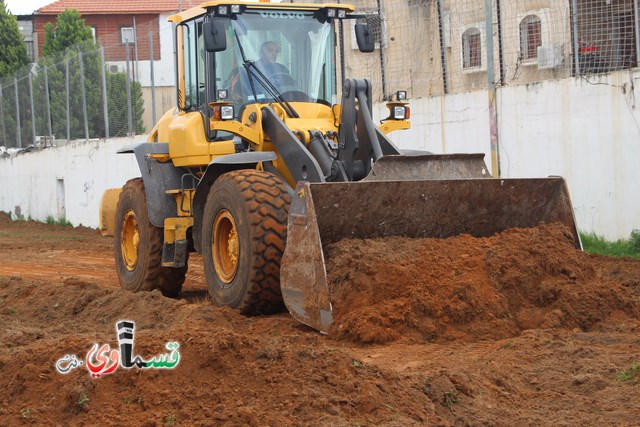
116,7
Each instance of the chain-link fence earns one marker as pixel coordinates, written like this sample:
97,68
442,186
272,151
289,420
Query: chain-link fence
69,96
121,85
436,47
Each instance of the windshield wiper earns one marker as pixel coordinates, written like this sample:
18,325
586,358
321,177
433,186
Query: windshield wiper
253,71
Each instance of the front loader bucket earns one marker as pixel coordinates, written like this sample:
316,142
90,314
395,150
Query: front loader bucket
324,213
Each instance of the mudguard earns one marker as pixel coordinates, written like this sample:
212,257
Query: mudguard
158,178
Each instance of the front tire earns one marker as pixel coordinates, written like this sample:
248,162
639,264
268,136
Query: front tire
243,238
138,246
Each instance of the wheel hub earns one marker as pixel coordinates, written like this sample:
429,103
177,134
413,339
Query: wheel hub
130,240
225,246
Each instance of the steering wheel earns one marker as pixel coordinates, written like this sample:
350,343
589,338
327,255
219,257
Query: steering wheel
283,79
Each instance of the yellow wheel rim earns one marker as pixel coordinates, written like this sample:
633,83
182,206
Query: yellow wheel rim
225,246
129,240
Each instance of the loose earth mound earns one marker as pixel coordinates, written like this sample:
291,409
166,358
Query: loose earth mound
519,329
470,289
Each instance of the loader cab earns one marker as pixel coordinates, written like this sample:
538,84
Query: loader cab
293,50
247,53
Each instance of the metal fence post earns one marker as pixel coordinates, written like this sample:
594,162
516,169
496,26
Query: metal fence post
66,70
136,71
83,95
501,79
4,130
128,84
383,59
636,23
443,48
105,102
491,82
576,39
47,101
18,134
33,115
153,81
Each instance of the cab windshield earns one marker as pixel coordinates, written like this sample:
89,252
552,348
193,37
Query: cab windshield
290,49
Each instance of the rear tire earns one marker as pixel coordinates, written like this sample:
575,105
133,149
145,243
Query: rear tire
138,246
243,238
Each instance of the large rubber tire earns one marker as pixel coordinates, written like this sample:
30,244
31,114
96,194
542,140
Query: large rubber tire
138,246
243,238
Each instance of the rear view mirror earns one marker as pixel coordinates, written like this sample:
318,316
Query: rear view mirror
364,37
215,38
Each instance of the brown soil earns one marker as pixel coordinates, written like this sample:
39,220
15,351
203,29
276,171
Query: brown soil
519,329
469,289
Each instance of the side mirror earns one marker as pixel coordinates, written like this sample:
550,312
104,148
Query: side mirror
364,37
215,38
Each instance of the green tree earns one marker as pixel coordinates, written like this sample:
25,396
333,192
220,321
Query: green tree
13,64
13,54
117,107
66,46
69,31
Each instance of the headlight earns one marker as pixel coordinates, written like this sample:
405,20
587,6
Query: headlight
401,95
222,112
235,8
331,13
226,112
223,94
342,13
223,9
400,112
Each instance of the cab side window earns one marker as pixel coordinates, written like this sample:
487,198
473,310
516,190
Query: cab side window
194,65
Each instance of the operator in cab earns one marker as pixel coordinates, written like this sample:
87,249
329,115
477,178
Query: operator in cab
277,73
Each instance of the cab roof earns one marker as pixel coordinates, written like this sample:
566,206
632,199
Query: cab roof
202,8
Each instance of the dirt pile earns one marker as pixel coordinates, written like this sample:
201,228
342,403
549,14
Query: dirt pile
59,295
233,369
471,289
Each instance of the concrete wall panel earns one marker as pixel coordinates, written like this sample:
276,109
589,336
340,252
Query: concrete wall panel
586,131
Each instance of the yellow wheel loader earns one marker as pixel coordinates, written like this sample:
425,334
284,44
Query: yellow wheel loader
261,166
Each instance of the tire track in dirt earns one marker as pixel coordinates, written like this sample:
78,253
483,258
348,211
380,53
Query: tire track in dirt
408,357
60,265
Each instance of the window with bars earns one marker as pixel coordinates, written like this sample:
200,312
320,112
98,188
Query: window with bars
471,48
606,38
530,37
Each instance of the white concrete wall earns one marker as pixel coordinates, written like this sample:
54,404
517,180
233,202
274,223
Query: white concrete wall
30,182
588,132
446,124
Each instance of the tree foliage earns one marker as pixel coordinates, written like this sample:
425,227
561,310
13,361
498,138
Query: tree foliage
117,105
70,66
70,30
13,54
68,47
